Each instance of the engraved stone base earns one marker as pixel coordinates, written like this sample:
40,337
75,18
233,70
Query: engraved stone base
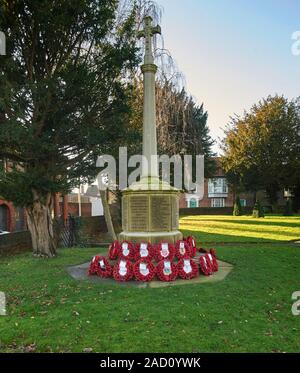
150,212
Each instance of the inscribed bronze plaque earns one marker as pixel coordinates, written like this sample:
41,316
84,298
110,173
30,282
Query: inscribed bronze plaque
138,213
125,213
160,213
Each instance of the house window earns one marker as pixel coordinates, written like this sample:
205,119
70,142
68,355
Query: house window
218,202
193,202
243,202
217,185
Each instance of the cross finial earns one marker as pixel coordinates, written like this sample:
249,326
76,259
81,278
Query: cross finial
147,33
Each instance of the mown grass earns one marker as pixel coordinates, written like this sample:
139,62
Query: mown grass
211,228
249,311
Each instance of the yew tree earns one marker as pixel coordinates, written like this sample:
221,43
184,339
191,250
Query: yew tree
63,92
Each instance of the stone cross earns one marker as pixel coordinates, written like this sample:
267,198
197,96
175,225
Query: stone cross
147,33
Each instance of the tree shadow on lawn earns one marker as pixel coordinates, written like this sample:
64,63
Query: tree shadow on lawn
241,229
249,222
208,238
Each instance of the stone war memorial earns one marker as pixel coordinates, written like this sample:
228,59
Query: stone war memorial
150,245
150,207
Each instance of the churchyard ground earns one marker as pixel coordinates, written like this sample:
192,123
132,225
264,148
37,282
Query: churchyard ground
47,310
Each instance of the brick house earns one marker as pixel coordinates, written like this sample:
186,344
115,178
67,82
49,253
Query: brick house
11,218
217,193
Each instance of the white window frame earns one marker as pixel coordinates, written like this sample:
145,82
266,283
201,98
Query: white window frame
217,185
218,202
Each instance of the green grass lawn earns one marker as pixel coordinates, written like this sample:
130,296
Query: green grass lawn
249,311
226,228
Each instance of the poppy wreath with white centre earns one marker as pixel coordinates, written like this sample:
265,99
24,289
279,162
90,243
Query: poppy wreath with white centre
114,250
205,265
192,245
123,270
213,261
127,250
93,265
187,268
166,270
144,270
164,250
182,249
103,267
144,250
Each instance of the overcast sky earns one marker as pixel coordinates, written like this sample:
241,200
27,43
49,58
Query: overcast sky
233,52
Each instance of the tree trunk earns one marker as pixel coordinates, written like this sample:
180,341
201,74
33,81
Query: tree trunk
107,214
40,225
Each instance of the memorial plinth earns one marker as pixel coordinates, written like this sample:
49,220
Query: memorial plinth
150,207
150,215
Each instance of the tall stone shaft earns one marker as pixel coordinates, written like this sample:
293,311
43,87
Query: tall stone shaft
150,167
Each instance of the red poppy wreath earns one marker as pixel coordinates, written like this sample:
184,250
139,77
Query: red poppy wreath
192,245
93,265
114,250
182,249
143,250
213,261
164,250
100,266
187,268
144,270
166,270
205,265
123,270
127,250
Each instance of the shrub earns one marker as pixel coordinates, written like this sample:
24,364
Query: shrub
258,211
288,209
237,209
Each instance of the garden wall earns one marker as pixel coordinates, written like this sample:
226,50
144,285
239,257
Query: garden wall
212,211
15,242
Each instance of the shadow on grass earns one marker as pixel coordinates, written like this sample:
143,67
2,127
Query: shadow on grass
206,237
249,231
249,222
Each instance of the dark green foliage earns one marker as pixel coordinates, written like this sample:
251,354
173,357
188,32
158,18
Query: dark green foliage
237,209
258,211
262,147
62,98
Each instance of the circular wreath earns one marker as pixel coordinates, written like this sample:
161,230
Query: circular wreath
93,265
166,270
123,270
192,245
182,249
213,261
144,270
187,268
164,250
205,265
143,250
213,252
101,266
114,250
126,250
